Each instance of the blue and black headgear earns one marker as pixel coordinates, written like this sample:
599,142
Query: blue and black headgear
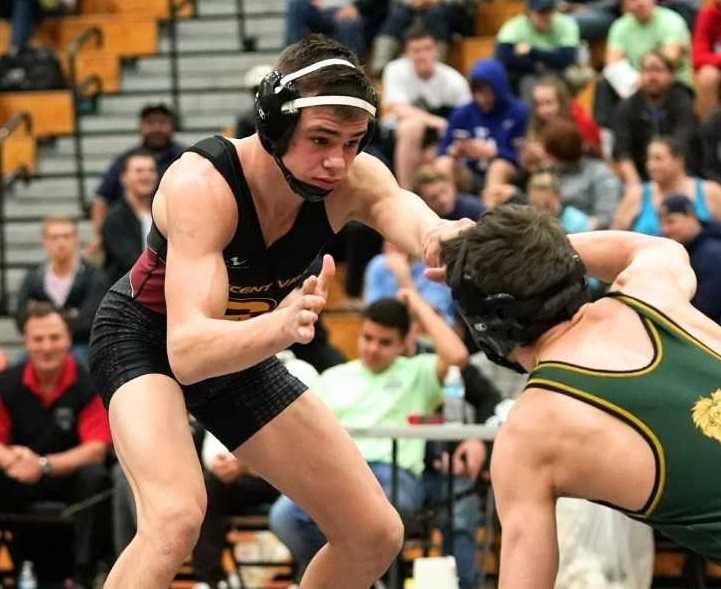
500,322
277,110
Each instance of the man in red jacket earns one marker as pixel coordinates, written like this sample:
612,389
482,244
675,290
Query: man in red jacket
54,432
707,57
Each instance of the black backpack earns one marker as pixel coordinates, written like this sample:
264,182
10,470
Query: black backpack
34,68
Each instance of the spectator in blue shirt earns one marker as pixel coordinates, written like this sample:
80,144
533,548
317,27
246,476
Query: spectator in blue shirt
157,128
393,270
485,134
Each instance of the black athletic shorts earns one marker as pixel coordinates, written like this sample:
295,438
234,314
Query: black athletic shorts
129,340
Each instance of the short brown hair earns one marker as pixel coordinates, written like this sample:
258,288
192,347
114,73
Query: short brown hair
562,140
58,219
40,309
517,250
133,153
429,174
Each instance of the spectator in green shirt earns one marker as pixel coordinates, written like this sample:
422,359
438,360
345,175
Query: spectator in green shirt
645,27
382,388
538,42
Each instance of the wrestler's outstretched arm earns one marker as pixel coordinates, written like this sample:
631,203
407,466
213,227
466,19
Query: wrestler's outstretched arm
638,263
399,215
201,344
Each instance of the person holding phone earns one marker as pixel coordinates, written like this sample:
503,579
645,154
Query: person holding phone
481,142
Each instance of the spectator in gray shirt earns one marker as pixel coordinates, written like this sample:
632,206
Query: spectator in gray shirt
588,184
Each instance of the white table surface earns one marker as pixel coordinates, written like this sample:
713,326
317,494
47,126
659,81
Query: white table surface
440,431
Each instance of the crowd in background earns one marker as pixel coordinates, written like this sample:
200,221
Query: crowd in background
647,159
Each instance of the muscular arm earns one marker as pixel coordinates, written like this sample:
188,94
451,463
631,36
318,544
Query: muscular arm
403,111
201,344
637,263
628,208
400,216
521,473
64,463
448,346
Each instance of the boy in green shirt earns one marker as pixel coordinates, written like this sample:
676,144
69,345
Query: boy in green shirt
383,387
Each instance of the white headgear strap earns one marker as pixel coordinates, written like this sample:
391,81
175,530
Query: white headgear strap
334,100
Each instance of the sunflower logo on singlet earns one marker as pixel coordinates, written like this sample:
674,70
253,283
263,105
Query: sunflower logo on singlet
707,415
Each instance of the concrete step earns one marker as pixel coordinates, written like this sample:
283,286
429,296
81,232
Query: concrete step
125,122
190,29
10,338
112,145
223,35
190,104
53,163
26,254
196,81
48,189
19,234
215,7
231,65
41,209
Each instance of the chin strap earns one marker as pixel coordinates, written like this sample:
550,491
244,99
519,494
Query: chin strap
307,191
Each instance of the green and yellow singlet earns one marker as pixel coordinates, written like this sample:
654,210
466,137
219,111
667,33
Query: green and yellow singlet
675,404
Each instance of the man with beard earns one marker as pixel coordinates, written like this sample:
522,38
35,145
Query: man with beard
128,221
157,127
658,107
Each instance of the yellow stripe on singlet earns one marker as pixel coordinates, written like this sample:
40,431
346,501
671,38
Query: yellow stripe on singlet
642,427
669,324
657,357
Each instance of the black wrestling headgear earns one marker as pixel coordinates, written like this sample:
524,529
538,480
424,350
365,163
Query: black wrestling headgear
277,110
500,322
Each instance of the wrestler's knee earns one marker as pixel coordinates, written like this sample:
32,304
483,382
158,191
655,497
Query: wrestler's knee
173,525
380,540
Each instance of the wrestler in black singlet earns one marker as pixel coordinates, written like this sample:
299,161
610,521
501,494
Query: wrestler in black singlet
129,332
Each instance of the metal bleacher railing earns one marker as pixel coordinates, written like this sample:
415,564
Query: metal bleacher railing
246,43
81,90
16,122
87,92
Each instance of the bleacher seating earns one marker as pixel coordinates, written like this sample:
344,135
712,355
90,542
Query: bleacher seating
130,30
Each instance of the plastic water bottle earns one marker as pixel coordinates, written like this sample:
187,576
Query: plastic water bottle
453,396
27,579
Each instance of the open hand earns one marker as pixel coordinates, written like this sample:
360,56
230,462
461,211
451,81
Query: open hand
443,231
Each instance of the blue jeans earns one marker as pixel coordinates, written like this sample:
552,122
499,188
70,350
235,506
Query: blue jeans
303,538
25,14
437,21
594,23
304,18
466,519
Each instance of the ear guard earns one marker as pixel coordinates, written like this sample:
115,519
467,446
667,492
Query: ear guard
500,322
278,104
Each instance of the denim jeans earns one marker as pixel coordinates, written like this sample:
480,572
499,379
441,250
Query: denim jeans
437,20
25,14
466,519
303,18
303,538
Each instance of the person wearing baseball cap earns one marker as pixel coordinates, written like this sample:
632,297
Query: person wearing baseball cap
702,241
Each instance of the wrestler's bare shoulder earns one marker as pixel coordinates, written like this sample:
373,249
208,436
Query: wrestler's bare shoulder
190,181
604,335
